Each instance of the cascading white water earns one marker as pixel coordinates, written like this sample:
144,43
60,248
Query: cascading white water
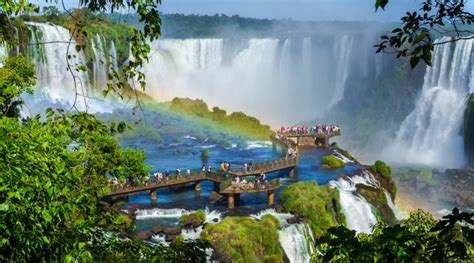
282,217
161,213
342,53
3,52
285,59
358,211
99,63
113,55
55,82
294,240
431,133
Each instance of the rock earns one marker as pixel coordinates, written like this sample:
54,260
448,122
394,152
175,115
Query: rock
171,230
157,229
170,238
294,220
279,208
144,234
190,221
325,166
215,196
215,220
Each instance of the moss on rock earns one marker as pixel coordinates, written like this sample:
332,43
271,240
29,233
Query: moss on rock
378,200
245,239
332,161
319,205
383,173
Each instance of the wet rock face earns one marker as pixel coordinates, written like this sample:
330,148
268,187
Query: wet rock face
469,129
144,235
450,188
378,200
190,221
157,229
174,231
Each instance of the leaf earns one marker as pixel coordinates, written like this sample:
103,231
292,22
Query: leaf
414,61
47,216
420,37
380,4
4,207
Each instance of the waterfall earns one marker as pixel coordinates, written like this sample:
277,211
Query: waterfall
54,80
358,211
294,241
113,56
282,217
99,63
285,59
161,213
342,55
3,52
431,133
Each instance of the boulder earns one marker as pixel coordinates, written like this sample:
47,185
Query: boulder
190,221
171,230
144,234
157,229
170,238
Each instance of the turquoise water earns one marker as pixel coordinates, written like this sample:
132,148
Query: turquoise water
186,155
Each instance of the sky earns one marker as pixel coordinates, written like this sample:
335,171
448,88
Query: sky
306,10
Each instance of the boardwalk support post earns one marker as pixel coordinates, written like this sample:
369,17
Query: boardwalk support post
270,197
230,201
237,198
217,187
197,187
153,197
292,172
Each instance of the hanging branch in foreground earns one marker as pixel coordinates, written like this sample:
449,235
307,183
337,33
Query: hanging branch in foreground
415,39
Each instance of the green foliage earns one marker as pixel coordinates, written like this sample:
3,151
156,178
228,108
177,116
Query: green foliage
381,168
237,122
426,176
318,204
53,177
415,39
16,77
332,162
199,215
244,239
205,153
420,238
376,197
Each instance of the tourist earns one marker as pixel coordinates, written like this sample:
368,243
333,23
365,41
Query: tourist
209,169
188,172
245,167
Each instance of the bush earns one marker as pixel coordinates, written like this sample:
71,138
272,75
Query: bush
205,153
244,239
332,161
382,168
318,204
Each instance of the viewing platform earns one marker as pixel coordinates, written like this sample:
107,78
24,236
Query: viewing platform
317,139
224,183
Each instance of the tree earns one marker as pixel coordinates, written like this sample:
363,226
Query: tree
16,77
53,175
419,238
417,36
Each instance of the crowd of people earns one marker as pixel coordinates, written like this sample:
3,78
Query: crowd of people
244,185
315,129
293,152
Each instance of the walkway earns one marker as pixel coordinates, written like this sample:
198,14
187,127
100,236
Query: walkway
222,180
